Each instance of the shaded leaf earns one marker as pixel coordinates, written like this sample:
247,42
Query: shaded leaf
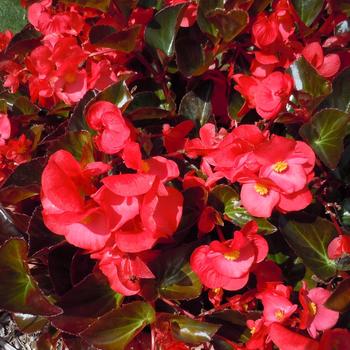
161,31
308,81
106,36
102,5
340,97
29,323
310,242
13,195
325,133
18,290
24,41
196,104
340,298
84,303
117,93
116,329
308,10
192,331
229,23
7,227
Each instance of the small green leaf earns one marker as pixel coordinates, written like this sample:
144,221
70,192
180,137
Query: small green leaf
18,290
340,97
308,81
308,10
116,329
102,5
310,242
12,16
340,298
325,133
161,31
192,331
196,104
220,195
106,36
229,23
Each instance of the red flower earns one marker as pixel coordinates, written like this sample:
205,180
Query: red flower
227,264
190,15
123,271
5,128
113,131
272,94
335,339
327,65
339,246
65,209
315,316
174,138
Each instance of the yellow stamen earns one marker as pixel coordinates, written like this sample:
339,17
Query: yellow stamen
253,330
232,255
313,308
279,314
280,167
145,167
261,189
70,77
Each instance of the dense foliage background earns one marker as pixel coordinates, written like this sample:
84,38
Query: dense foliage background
175,174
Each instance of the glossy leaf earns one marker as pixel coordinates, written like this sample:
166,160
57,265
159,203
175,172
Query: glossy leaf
308,81
308,10
229,23
18,290
116,329
175,278
192,331
29,323
102,5
196,104
310,242
325,133
84,303
117,93
340,298
340,97
161,31
13,195
106,36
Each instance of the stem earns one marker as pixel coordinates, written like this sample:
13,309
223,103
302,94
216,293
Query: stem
220,234
211,311
178,308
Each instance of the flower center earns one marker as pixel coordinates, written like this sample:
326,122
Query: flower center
313,308
279,314
253,330
261,189
70,78
280,167
232,255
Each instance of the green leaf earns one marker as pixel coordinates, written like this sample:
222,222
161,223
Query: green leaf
116,329
236,103
18,290
325,133
310,242
161,31
12,16
340,298
117,93
175,278
308,10
192,331
229,23
308,82
340,97
102,5
196,104
106,36
84,303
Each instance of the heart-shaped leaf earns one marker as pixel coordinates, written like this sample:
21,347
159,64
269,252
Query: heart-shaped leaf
340,298
161,31
116,329
310,242
325,133
229,23
308,10
19,292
